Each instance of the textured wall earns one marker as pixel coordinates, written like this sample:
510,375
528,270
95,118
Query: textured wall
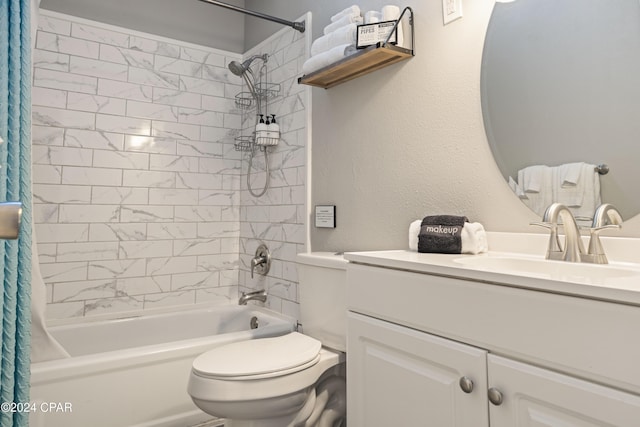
136,180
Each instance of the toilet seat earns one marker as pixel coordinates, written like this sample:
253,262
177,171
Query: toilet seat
260,358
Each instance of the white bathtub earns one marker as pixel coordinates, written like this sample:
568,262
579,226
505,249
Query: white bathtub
134,371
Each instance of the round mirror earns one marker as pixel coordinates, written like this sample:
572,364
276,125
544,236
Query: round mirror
561,85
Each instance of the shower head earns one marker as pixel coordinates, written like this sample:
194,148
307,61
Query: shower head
239,69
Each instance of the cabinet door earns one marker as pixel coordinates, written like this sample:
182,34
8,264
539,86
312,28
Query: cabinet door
397,376
536,397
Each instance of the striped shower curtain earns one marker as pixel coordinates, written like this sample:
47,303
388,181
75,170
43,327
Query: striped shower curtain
15,185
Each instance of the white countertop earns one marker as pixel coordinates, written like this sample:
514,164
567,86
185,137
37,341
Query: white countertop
618,281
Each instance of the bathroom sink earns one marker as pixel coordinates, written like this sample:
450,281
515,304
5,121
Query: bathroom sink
546,269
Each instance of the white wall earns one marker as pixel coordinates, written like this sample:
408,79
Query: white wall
136,182
407,140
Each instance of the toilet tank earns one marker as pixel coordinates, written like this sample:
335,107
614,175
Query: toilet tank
322,289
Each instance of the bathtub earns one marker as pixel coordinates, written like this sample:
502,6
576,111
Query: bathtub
133,371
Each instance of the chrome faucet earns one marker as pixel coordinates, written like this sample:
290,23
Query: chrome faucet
573,249
605,216
260,295
261,262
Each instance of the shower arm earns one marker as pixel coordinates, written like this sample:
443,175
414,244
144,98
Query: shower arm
299,26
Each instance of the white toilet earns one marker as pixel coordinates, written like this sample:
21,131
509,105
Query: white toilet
296,379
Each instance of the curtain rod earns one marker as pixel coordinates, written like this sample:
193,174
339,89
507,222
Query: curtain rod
299,26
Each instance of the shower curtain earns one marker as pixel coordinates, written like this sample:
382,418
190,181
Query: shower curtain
15,185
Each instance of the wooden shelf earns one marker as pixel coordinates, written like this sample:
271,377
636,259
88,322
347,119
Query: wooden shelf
365,61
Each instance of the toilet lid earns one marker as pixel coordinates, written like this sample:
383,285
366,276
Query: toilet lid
259,356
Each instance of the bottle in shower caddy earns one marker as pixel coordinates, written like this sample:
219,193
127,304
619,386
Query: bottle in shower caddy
261,129
273,130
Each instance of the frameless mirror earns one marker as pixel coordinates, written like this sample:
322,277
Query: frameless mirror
561,84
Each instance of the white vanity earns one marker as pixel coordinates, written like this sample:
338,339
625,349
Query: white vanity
501,339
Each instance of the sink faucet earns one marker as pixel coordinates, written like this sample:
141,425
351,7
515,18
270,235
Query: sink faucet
605,216
573,249
260,295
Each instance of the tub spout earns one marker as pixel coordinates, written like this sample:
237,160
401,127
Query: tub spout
260,295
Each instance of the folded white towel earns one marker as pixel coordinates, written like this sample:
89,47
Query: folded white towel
570,174
351,10
517,189
532,179
327,58
582,197
474,237
345,20
343,35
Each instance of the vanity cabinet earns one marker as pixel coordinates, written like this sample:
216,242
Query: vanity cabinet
426,350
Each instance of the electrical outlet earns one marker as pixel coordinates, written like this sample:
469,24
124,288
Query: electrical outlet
451,10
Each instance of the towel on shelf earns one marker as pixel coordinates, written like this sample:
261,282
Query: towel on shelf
537,183
583,196
473,237
342,22
343,35
351,10
327,58
515,187
569,174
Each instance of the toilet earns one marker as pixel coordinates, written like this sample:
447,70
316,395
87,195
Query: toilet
297,379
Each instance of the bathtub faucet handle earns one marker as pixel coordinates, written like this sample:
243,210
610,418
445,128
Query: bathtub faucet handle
261,262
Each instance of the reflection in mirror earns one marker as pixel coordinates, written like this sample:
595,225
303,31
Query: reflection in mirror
561,87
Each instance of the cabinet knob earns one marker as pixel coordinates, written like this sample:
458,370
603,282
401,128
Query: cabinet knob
495,396
466,384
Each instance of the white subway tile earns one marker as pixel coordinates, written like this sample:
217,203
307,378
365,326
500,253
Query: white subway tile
153,46
200,279
218,262
116,269
131,178
216,103
153,78
116,232
152,111
171,265
120,124
50,60
54,193
95,103
121,160
48,97
168,299
145,249
196,247
200,117
173,163
175,130
46,174
47,116
88,213
219,74
232,121
218,198
64,81
126,56
218,229
150,145
119,195
61,233
144,285
202,86
93,139
45,135
172,196
89,251
200,149
197,213
54,25
177,66
54,155
137,213
91,176
219,295
47,252
97,68
124,90
176,97
202,57
178,230
112,305
45,213
221,166
65,310
87,32
203,181
64,44
80,291
63,271
217,134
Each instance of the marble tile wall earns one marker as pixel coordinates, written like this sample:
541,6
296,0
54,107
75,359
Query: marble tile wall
278,218
137,186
